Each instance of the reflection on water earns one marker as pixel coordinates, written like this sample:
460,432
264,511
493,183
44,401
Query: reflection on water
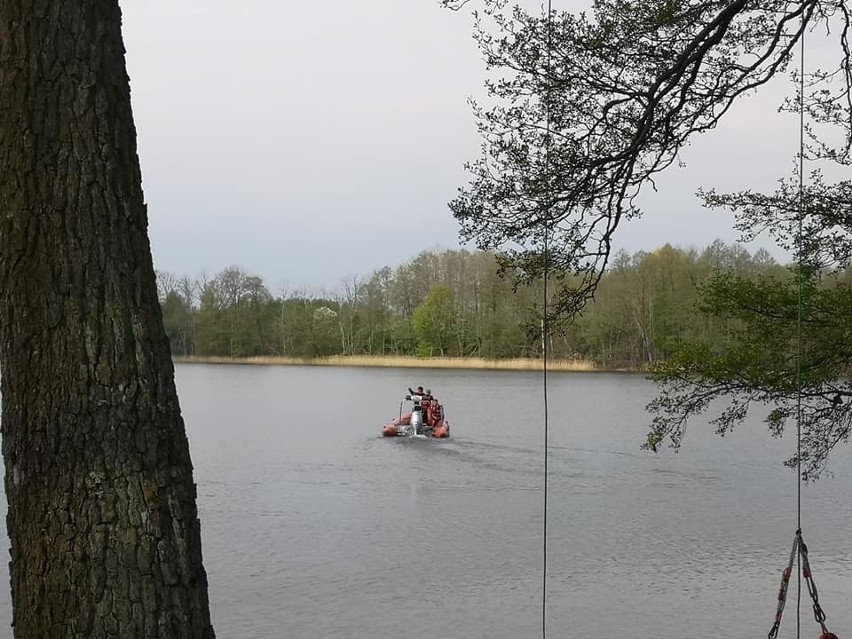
314,526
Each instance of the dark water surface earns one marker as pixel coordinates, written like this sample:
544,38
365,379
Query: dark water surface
315,527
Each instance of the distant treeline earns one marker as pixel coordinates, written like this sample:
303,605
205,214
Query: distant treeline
455,304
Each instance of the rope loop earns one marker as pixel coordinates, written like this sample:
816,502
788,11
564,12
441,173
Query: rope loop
800,549
785,583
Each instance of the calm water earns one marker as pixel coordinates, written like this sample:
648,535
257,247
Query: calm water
315,527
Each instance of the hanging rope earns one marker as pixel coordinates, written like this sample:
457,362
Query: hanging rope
800,551
799,314
799,554
544,323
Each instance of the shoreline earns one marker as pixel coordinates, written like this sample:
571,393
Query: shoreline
367,361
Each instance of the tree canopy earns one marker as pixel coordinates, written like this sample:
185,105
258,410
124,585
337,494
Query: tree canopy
584,110
760,366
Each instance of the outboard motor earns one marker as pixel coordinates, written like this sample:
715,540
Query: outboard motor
417,419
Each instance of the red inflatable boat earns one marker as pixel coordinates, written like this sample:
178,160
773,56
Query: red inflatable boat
425,419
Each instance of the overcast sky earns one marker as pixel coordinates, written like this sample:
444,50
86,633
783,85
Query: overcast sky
309,142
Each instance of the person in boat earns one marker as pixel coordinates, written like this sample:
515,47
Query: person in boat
432,412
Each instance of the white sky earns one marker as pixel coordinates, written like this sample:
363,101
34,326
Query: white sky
309,142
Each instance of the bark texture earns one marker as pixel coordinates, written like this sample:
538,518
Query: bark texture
105,538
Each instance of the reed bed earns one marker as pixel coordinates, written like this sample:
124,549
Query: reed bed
472,363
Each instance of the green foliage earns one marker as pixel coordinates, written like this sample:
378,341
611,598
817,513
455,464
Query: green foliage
455,304
435,324
213,334
769,358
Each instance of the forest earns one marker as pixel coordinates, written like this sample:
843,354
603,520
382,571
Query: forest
456,303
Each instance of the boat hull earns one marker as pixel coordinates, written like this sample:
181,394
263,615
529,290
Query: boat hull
401,427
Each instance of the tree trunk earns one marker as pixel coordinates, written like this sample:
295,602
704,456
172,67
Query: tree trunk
105,539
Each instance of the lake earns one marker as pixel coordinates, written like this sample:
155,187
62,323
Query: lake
315,527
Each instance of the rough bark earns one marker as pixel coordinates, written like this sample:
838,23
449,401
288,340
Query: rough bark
105,539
